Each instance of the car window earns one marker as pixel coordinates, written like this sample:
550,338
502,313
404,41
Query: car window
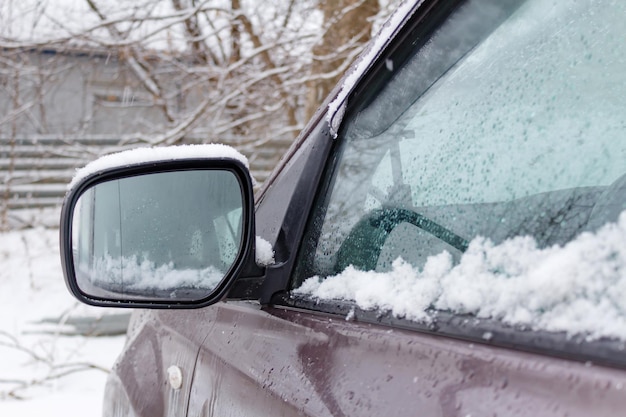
521,134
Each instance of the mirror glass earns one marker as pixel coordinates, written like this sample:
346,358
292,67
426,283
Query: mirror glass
160,236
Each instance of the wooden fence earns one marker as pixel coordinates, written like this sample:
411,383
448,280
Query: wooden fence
35,171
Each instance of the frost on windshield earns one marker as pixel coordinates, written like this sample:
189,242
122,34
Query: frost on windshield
131,275
578,288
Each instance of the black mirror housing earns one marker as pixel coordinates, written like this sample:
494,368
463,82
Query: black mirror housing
170,233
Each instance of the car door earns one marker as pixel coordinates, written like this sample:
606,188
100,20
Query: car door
287,362
480,118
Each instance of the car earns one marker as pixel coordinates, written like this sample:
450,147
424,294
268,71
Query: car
444,238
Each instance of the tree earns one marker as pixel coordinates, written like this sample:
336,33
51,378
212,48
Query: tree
347,28
175,71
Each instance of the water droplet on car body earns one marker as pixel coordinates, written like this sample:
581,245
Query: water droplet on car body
175,377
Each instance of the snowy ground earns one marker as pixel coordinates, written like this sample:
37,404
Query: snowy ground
44,371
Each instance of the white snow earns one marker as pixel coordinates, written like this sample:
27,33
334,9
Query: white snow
46,21
264,252
579,288
336,107
146,275
33,355
156,154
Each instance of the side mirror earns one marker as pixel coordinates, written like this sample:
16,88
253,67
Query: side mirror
155,232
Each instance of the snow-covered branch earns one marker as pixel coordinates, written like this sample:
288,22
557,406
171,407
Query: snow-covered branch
168,71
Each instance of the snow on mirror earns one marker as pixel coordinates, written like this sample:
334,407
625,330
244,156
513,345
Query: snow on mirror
159,236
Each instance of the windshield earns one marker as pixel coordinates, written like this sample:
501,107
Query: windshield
480,140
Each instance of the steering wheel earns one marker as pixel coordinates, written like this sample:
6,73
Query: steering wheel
364,244
609,206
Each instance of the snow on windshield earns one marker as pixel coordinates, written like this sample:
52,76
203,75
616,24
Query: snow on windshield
165,153
579,288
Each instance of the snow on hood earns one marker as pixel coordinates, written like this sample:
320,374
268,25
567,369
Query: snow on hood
337,106
156,154
579,288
